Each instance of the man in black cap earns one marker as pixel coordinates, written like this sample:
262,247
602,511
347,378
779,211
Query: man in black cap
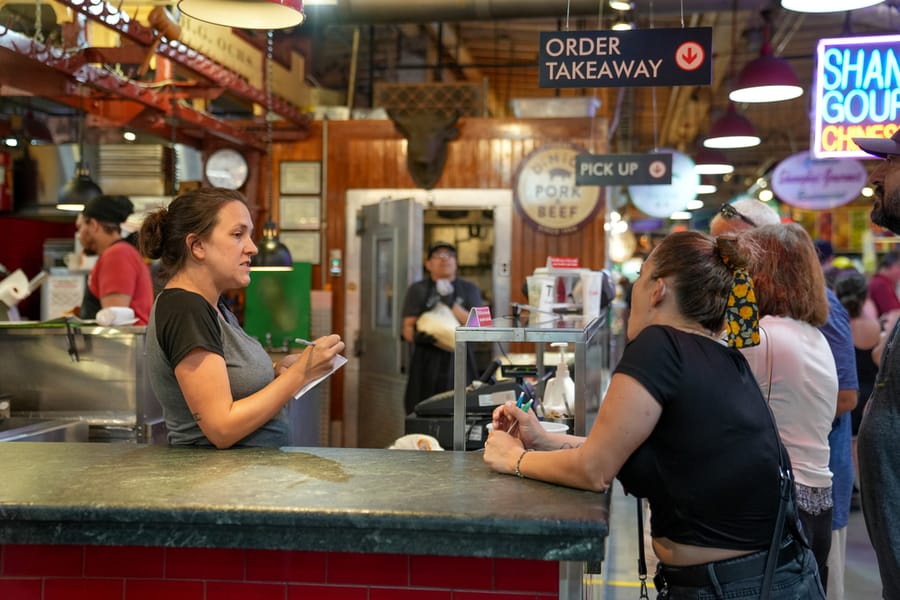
120,276
877,446
431,367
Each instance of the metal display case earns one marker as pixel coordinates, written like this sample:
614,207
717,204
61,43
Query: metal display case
589,338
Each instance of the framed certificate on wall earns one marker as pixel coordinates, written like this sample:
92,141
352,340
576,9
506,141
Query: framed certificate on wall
299,212
304,245
300,177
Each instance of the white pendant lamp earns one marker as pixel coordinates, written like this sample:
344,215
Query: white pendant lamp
732,131
246,14
826,6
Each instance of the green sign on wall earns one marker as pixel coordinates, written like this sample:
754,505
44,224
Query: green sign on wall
278,303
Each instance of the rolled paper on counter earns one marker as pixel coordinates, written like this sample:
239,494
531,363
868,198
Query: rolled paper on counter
14,288
115,315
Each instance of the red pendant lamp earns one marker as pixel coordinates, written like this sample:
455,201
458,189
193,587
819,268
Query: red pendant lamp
766,78
732,131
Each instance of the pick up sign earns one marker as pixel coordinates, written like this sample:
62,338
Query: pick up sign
639,57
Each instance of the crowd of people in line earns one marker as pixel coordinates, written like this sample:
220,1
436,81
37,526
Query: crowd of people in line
750,387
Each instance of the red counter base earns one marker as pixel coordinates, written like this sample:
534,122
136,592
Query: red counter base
143,573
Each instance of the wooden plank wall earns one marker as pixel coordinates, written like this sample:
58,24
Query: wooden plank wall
486,154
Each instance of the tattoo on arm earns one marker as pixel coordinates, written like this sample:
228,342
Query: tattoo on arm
196,416
567,445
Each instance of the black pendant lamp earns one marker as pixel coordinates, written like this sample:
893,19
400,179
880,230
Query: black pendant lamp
81,188
273,255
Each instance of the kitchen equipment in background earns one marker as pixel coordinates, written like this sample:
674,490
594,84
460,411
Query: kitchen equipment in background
106,388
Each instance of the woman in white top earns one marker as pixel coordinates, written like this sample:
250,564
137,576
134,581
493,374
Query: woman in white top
794,366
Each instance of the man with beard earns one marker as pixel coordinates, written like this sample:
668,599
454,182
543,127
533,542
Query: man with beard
120,276
879,460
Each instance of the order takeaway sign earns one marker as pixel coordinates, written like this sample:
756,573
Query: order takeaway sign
640,57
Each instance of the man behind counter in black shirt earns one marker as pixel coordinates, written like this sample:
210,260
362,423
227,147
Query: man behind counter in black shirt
431,367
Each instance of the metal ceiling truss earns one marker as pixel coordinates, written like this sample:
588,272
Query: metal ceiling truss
121,88
179,53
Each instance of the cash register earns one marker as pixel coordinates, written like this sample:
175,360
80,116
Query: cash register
434,416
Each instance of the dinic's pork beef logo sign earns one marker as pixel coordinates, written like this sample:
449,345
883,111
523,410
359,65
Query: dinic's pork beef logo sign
545,192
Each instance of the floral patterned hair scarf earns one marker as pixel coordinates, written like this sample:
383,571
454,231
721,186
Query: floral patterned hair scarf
741,314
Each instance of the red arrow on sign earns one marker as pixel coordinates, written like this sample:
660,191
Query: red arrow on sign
689,56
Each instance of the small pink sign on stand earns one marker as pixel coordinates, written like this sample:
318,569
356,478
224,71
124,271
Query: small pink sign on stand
480,316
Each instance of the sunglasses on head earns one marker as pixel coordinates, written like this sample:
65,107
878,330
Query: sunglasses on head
730,212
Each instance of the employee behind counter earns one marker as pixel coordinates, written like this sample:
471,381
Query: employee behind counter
216,384
430,366
120,276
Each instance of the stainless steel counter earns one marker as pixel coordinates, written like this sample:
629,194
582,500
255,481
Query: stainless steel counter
22,429
67,370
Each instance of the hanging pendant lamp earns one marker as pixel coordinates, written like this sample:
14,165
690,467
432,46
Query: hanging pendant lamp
827,6
711,162
766,78
246,14
272,255
732,131
81,189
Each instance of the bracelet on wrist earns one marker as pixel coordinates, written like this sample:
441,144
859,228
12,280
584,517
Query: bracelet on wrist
519,462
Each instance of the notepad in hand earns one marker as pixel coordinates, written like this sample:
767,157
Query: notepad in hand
338,362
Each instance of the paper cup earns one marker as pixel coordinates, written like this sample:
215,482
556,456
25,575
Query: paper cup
548,426
553,427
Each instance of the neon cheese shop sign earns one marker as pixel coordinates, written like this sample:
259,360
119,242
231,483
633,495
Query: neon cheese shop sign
857,93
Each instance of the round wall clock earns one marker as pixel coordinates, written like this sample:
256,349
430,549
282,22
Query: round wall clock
226,168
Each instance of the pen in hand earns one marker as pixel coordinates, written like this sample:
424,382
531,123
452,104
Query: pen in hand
525,407
304,342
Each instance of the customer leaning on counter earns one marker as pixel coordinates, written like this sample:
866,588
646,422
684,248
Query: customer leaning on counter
685,425
216,384
120,276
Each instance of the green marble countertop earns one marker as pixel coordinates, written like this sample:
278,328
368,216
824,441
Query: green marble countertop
319,499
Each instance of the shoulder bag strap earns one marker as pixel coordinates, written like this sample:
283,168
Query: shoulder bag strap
785,487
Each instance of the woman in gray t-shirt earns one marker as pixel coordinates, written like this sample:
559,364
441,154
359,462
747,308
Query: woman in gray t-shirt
216,384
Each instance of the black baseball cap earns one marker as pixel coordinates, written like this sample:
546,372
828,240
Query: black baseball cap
438,245
880,146
108,209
